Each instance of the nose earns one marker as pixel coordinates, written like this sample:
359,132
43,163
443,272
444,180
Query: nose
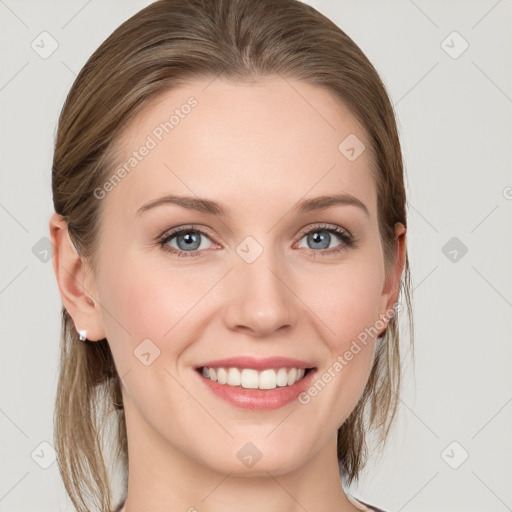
260,298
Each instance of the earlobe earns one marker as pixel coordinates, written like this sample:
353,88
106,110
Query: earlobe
71,271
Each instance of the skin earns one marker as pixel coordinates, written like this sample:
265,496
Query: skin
257,149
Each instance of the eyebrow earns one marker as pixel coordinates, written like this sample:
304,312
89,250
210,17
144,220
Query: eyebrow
214,208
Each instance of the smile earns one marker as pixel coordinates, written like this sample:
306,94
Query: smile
250,378
252,389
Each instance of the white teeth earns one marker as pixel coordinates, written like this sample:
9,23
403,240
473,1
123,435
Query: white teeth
222,376
292,376
234,377
282,377
253,379
250,379
268,379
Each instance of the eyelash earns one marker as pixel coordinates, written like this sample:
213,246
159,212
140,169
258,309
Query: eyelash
348,241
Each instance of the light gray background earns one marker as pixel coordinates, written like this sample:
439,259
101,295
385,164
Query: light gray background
455,121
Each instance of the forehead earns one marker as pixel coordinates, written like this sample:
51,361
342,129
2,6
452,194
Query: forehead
243,145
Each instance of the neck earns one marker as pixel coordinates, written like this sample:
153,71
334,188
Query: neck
162,477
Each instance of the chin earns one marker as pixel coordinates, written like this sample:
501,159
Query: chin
258,459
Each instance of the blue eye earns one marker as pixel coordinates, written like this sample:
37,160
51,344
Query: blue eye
321,237
189,240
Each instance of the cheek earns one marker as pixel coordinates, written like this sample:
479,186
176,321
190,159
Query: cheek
144,301
348,308
346,300
147,328
147,299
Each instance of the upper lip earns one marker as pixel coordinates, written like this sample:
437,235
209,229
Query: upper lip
257,363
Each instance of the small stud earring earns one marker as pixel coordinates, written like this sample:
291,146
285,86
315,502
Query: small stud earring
82,335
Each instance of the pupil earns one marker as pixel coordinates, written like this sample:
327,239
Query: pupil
318,238
190,239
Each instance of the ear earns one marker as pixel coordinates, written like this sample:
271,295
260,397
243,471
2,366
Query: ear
76,281
392,283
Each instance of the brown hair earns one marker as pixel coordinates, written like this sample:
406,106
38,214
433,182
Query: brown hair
163,45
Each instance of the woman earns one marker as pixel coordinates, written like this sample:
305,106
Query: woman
229,234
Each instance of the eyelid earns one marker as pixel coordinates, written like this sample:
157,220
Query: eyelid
209,232
169,234
348,241
345,236
186,227
326,226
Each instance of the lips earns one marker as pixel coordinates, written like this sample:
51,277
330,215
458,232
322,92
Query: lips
258,399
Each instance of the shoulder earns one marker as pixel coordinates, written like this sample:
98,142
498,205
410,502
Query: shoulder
363,506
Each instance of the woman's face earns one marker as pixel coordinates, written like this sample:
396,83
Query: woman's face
264,279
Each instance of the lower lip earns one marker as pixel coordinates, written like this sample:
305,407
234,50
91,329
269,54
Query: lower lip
259,399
